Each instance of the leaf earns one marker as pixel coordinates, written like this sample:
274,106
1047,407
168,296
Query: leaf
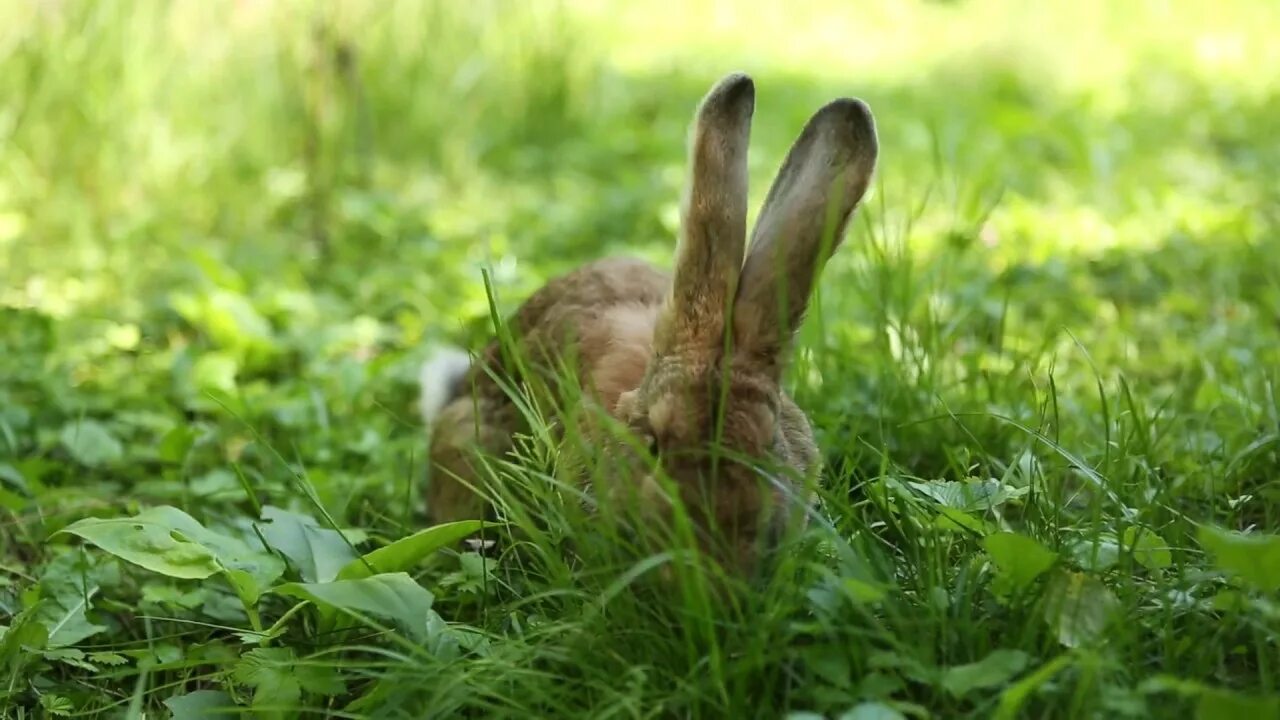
1149,549
109,659
406,552
953,520
1019,558
320,679
1097,553
872,711
148,540
270,672
90,443
1078,607
70,656
1216,704
176,443
24,636
395,597
1254,558
970,495
241,561
56,704
68,625
201,704
995,669
166,540
318,553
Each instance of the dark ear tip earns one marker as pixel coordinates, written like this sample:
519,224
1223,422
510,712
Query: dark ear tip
853,121
736,91
737,84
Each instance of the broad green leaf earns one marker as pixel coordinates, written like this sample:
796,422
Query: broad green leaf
872,711
1019,558
90,443
270,672
317,552
150,540
408,551
970,495
217,484
68,624
1149,549
202,704
1254,558
1078,607
168,541
1097,553
242,562
1216,704
994,670
395,597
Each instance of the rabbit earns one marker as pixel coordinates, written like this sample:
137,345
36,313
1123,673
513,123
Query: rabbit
681,359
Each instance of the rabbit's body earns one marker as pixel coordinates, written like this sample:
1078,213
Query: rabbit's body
690,362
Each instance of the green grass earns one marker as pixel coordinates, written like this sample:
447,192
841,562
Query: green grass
1042,370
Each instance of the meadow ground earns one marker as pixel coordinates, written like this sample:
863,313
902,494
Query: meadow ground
1042,370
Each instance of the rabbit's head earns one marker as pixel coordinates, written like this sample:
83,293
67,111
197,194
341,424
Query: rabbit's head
710,405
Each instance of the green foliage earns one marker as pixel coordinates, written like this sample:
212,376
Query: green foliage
1253,558
395,597
1222,705
1020,559
170,542
316,552
404,553
91,443
993,670
1041,370
1079,608
201,704
157,539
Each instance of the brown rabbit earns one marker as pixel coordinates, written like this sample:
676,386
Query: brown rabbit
691,363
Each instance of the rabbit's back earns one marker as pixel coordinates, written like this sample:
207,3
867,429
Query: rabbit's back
599,316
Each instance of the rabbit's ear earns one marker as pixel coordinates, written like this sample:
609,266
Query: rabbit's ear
713,218
825,175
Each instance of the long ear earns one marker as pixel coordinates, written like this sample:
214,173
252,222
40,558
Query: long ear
825,175
713,218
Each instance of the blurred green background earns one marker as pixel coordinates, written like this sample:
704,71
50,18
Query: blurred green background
230,231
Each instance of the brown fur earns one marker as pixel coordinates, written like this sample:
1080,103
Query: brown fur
692,362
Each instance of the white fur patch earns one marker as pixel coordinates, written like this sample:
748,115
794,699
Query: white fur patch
436,379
